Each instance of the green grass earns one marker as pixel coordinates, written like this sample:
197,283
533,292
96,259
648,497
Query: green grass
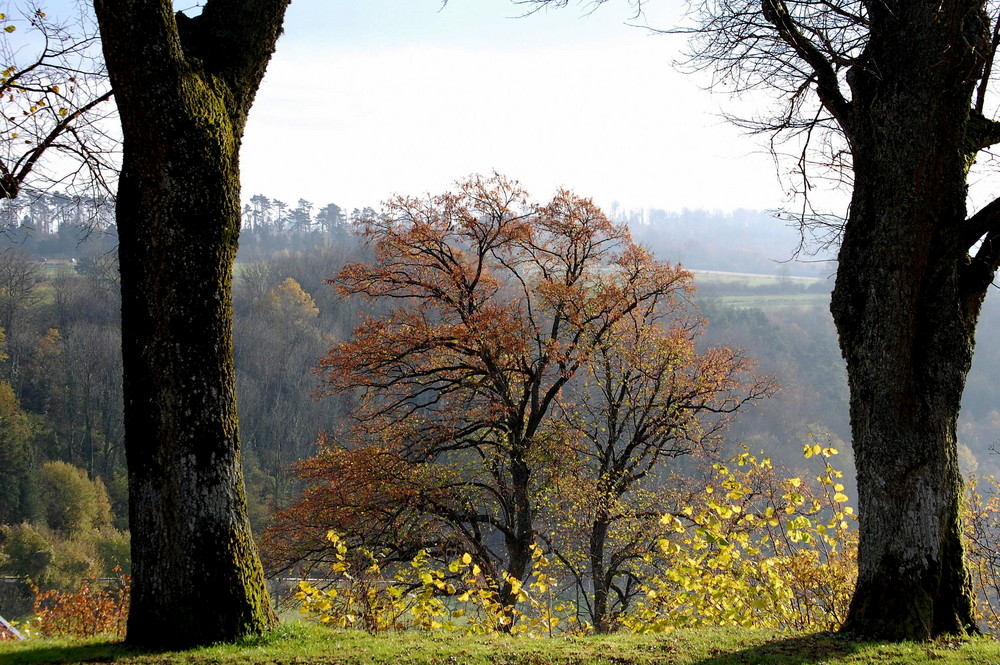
304,643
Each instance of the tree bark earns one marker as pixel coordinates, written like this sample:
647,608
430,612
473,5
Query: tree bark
598,573
184,88
906,308
521,534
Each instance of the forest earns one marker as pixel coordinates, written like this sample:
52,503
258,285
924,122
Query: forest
63,488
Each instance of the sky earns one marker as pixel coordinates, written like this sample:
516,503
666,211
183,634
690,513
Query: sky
369,98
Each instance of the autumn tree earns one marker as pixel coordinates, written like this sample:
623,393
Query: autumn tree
647,397
501,304
894,93
275,340
184,86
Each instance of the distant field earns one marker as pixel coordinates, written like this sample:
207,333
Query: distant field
747,290
801,301
750,279
52,267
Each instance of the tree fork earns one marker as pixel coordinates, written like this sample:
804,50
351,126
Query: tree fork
184,94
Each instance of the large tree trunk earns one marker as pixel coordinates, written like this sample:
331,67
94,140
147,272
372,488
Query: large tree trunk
183,97
906,314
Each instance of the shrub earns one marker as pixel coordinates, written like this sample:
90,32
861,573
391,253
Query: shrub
754,548
424,596
85,612
27,552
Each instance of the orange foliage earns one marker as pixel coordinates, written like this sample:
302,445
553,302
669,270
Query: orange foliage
372,492
84,612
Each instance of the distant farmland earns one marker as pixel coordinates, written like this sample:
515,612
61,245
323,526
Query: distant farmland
747,290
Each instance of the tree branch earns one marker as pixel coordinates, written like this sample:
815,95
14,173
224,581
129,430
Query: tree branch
827,86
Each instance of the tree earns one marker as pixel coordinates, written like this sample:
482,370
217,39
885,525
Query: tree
19,437
184,87
71,502
649,397
20,278
301,217
260,211
502,303
331,217
904,85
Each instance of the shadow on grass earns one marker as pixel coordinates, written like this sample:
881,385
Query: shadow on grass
815,648
36,652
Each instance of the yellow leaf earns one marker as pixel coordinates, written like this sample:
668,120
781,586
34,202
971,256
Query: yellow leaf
466,558
9,28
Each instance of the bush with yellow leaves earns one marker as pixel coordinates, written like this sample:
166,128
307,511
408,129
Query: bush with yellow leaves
425,597
757,550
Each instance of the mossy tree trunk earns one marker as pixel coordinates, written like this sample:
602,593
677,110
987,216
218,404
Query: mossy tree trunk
906,303
184,87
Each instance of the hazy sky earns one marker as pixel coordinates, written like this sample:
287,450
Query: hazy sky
366,98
